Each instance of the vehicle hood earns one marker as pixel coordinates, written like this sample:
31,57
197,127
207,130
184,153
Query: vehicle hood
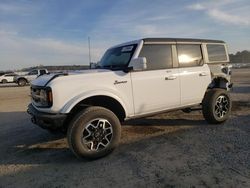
45,79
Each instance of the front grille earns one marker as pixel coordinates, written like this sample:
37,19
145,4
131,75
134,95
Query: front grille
41,96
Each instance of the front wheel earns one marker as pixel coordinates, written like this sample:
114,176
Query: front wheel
94,133
22,82
216,106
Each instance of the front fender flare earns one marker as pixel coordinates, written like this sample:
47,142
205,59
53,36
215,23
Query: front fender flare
75,100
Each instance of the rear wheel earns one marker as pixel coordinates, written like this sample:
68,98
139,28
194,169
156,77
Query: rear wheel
22,82
4,81
216,106
94,133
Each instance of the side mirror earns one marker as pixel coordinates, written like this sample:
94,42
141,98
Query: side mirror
139,63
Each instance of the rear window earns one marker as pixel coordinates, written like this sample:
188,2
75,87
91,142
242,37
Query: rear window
216,52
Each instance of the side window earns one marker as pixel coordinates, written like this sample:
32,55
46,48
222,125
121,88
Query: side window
34,72
216,52
10,75
189,55
159,56
42,72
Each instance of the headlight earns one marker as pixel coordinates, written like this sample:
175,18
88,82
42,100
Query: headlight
42,97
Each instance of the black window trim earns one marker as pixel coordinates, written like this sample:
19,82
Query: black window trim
225,46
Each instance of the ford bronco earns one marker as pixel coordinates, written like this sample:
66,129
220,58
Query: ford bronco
133,79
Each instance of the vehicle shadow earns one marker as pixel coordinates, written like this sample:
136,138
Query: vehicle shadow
165,122
22,142
11,85
156,157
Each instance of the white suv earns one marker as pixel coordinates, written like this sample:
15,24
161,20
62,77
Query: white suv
7,78
134,79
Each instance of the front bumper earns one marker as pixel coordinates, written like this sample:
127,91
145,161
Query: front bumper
46,120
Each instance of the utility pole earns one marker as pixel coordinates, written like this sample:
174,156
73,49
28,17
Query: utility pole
89,51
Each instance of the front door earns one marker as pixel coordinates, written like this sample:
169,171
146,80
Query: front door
156,88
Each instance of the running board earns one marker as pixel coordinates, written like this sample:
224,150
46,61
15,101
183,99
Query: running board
188,110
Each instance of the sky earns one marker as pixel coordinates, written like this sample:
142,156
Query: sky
55,32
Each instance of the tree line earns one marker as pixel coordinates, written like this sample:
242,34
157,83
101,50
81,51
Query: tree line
240,57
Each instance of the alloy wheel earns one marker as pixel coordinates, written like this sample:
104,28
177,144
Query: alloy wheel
97,134
221,106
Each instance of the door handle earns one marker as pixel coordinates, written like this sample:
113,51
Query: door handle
170,77
203,74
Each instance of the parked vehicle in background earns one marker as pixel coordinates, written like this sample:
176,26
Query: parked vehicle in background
7,78
133,79
32,75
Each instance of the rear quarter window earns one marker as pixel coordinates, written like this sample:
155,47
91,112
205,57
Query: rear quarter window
216,52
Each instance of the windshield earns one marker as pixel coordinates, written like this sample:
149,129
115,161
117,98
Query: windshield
117,58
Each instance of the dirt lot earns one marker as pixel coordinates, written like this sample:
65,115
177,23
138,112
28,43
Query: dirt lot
168,150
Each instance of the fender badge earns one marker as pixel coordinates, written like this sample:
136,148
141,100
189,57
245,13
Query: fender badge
120,82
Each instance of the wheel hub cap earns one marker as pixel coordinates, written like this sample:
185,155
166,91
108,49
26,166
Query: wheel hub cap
97,134
221,106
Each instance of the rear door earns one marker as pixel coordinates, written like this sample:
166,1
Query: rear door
156,88
194,74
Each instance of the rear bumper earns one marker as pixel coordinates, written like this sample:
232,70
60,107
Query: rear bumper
46,120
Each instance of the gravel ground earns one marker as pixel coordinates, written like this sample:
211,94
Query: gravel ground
168,150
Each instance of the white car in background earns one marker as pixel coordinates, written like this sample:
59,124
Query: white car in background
32,75
7,78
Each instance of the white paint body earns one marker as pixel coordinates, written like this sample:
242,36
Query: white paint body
7,78
143,93
139,92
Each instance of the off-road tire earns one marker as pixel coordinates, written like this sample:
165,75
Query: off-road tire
211,105
22,82
79,124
